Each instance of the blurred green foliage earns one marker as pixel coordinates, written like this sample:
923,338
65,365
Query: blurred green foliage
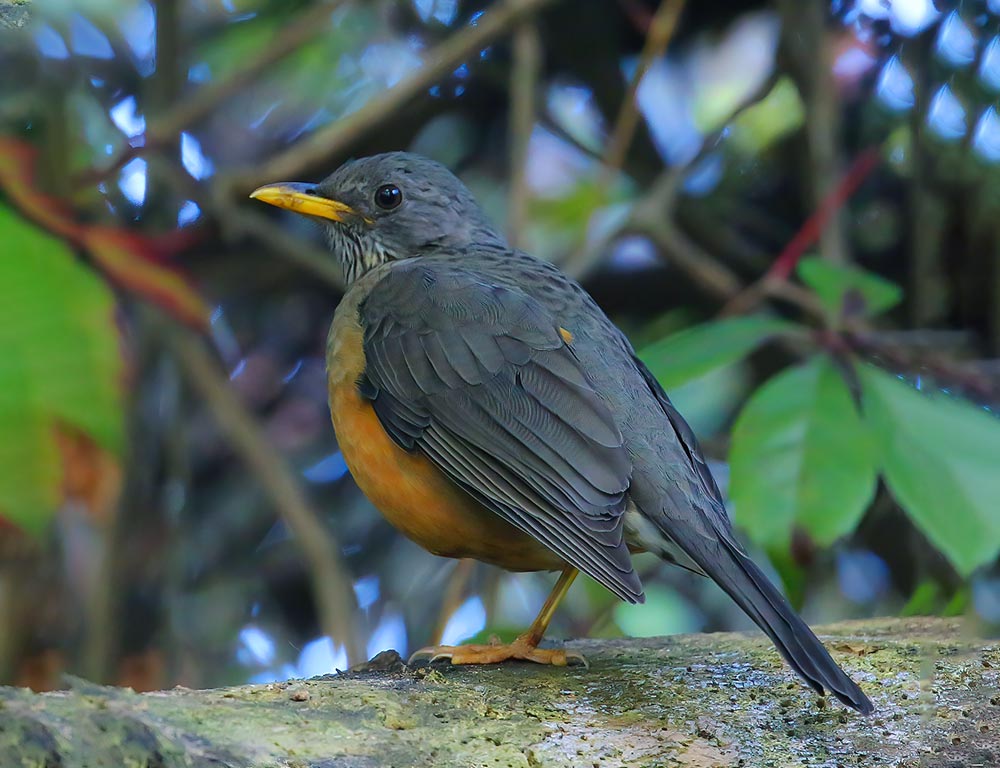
801,456
60,366
777,115
939,458
682,357
809,443
848,291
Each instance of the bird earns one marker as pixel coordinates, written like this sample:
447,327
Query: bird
487,406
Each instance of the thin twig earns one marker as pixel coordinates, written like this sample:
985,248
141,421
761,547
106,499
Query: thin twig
336,137
287,41
658,201
961,376
707,273
335,601
828,207
236,219
453,595
804,40
776,277
189,110
523,83
661,30
554,127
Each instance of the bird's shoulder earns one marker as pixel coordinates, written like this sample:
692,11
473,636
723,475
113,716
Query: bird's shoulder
497,288
516,276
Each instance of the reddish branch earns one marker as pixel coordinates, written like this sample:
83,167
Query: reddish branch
810,231
133,261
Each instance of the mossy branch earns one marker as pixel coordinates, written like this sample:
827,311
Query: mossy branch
14,13
698,700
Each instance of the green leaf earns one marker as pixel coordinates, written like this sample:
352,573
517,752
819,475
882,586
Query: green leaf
29,458
792,575
665,612
772,118
708,402
924,600
801,454
959,603
60,365
848,290
696,351
939,456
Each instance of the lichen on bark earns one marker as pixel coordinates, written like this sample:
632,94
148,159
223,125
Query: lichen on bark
697,700
13,14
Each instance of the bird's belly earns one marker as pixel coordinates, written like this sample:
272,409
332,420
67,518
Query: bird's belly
419,500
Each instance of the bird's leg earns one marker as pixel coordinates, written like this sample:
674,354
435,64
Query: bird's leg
524,647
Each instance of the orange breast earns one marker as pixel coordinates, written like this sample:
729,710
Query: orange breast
406,487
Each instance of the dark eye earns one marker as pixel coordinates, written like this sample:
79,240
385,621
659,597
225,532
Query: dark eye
388,196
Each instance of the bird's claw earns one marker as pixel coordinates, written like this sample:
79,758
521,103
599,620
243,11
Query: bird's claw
495,652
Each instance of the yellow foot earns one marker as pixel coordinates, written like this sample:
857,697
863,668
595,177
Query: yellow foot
495,652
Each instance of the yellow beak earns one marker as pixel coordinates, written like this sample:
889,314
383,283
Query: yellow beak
302,199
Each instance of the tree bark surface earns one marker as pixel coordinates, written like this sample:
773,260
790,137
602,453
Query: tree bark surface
699,701
13,14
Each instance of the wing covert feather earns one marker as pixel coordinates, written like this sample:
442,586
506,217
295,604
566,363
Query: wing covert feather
479,379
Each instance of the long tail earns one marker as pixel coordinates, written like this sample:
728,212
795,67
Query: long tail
721,558
743,581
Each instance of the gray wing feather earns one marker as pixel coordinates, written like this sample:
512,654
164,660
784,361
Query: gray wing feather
479,379
499,489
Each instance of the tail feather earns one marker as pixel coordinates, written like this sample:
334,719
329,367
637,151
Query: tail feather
746,584
725,563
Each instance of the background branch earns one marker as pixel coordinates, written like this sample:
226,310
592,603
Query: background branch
241,220
523,86
185,112
806,45
658,37
334,595
333,139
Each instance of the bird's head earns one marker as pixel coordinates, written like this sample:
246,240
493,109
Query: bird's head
387,207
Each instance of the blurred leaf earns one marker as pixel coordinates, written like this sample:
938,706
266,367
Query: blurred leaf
696,351
650,330
133,261
924,600
560,220
573,209
848,290
939,456
233,44
708,402
927,599
801,454
29,461
792,575
60,365
665,612
959,603
778,114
